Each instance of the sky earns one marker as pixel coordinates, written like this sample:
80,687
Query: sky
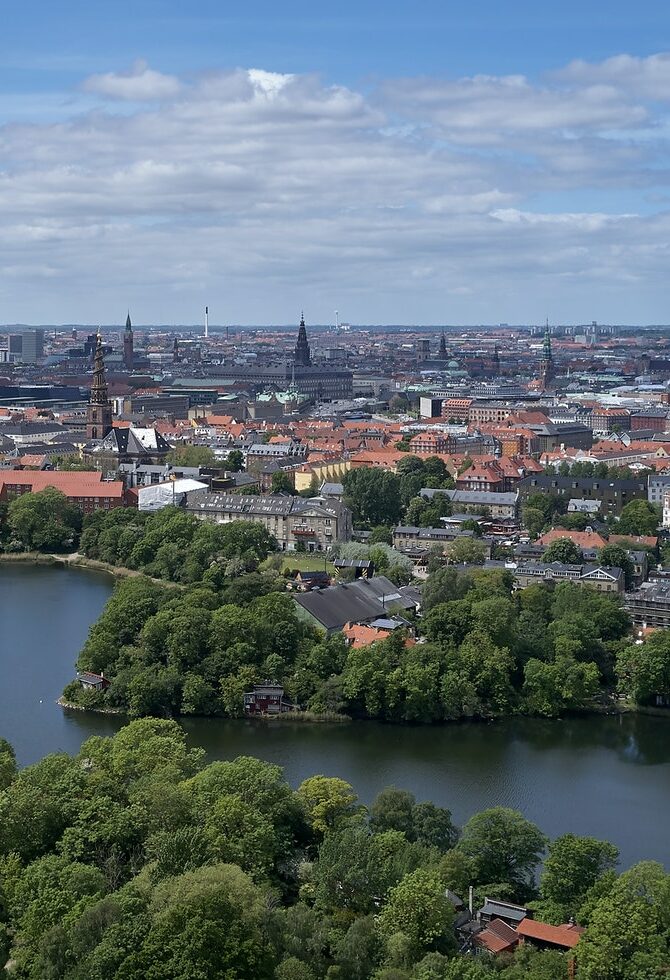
432,162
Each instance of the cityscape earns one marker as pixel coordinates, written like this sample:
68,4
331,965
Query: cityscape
334,492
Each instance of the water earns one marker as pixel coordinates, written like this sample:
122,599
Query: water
604,776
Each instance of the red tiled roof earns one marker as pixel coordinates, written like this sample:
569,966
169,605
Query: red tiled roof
583,539
72,484
497,937
566,936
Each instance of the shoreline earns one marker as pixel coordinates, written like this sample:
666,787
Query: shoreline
76,560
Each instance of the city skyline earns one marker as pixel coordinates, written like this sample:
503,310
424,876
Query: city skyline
401,169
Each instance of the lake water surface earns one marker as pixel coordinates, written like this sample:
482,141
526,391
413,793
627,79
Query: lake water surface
604,776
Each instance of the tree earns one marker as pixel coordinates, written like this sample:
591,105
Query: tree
282,483
373,495
8,768
330,803
418,908
191,456
382,534
235,461
392,809
44,521
467,551
627,935
549,689
563,550
572,867
443,585
638,517
533,519
614,556
504,847
643,669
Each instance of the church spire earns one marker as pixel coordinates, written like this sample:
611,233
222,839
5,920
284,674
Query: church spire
442,353
128,344
301,355
99,413
99,394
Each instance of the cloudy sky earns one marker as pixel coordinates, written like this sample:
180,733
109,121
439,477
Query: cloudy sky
424,162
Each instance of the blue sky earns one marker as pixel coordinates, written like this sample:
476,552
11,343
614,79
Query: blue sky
427,162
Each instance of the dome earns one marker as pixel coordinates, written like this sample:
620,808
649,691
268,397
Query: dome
453,364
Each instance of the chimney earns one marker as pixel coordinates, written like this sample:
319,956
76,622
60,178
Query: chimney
471,898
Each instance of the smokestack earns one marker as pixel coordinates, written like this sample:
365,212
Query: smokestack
206,321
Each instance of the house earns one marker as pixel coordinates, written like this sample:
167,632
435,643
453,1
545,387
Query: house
267,699
358,635
92,682
544,936
497,937
312,580
584,540
494,908
602,578
361,601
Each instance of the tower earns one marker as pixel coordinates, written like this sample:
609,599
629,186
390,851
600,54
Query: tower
442,352
301,357
206,322
496,361
99,411
546,361
128,345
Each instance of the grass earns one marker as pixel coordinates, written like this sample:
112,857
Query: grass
307,563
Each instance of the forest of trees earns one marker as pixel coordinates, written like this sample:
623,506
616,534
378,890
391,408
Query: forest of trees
136,861
485,650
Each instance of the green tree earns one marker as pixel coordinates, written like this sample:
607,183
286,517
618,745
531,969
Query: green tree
235,461
549,689
8,768
638,517
44,521
504,847
613,555
563,550
191,456
533,519
373,496
466,550
627,935
418,908
382,534
643,669
282,483
330,803
392,809
572,866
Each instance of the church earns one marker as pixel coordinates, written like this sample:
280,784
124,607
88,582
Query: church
111,445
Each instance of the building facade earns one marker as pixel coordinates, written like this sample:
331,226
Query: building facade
296,523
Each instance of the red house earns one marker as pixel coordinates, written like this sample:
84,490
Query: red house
266,699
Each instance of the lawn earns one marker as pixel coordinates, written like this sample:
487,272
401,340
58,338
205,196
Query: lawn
307,563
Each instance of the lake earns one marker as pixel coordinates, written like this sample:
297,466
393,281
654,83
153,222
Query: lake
604,776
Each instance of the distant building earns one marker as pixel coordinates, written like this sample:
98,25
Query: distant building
613,494
313,524
99,412
128,345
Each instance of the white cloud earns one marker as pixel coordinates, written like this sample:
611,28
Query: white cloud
266,192
647,78
140,84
